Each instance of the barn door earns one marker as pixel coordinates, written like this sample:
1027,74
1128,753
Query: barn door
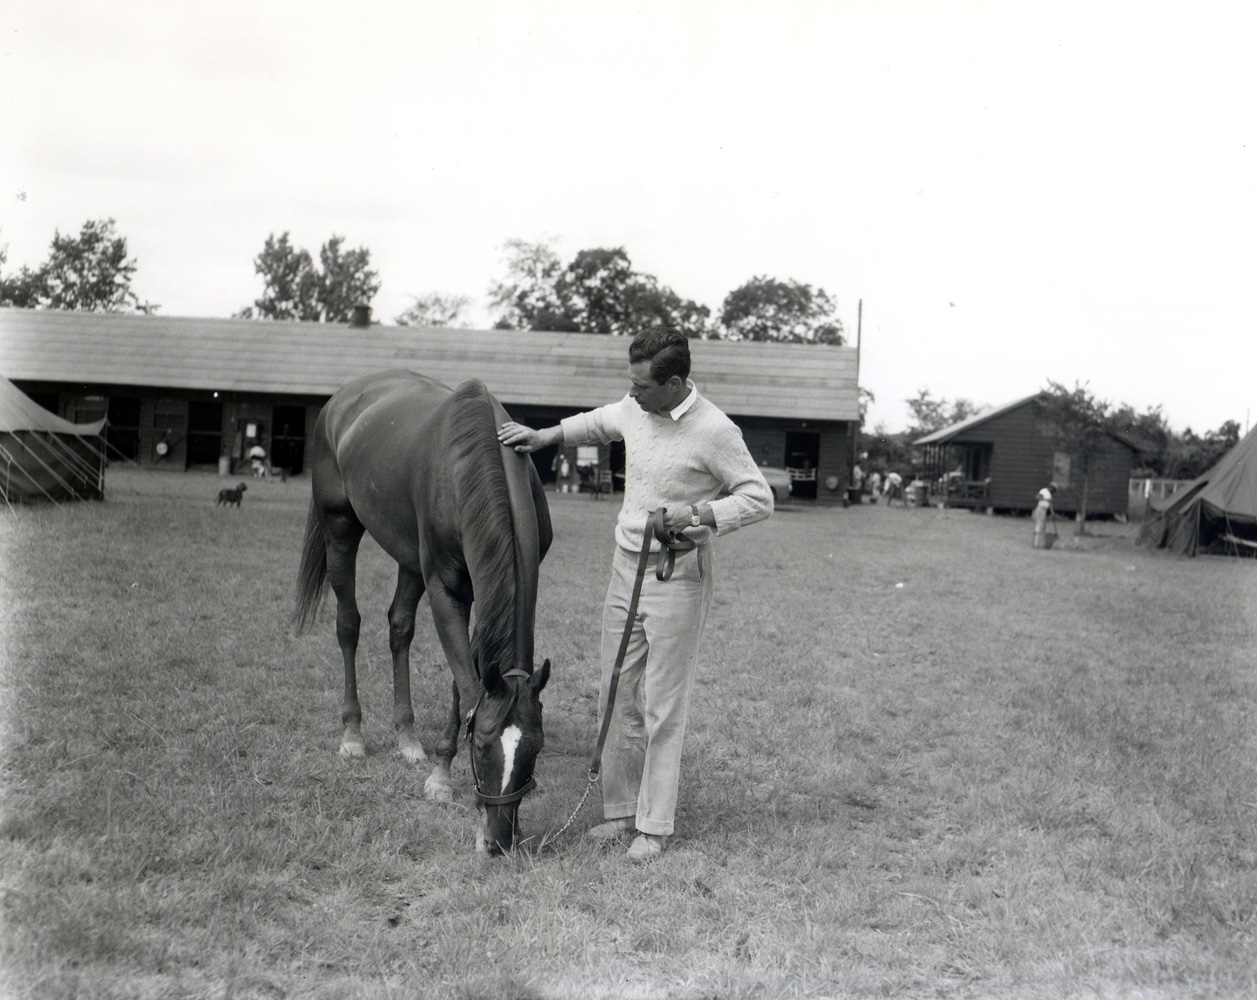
803,451
288,438
205,431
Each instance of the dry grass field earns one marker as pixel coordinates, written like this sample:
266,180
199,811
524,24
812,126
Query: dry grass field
924,760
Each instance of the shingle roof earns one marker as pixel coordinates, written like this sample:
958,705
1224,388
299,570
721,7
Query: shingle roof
799,381
945,434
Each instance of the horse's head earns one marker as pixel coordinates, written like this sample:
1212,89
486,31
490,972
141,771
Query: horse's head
505,734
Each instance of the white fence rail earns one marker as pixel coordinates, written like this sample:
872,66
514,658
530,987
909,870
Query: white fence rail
1141,493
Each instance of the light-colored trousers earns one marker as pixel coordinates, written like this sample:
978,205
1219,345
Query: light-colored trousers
641,761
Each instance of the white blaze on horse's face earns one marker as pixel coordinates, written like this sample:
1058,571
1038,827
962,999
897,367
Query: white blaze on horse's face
511,736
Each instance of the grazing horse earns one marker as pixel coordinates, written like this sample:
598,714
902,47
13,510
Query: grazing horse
419,466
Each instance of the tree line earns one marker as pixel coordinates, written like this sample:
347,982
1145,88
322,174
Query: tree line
597,291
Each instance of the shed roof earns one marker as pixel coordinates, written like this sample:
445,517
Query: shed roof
799,381
945,434
950,433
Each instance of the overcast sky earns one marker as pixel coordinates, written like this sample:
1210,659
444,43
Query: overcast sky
1017,192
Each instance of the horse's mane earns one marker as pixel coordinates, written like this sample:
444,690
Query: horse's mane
486,526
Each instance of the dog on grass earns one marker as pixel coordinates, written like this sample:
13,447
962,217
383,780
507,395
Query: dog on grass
229,497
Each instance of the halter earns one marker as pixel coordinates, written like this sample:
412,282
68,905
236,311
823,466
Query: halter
509,798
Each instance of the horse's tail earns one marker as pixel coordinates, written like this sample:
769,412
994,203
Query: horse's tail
312,576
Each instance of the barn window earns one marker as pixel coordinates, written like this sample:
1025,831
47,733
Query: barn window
1060,469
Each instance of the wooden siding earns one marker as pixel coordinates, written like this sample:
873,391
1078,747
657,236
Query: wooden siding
835,460
1022,456
287,358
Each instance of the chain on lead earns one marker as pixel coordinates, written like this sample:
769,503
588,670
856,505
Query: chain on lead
589,787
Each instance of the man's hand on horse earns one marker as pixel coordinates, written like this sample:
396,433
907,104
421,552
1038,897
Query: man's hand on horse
519,437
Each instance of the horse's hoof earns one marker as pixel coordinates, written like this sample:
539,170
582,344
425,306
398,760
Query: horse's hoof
411,749
350,749
437,791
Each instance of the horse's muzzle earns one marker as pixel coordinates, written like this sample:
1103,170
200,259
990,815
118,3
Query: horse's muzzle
498,828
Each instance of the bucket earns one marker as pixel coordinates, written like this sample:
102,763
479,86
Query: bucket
1044,539
224,465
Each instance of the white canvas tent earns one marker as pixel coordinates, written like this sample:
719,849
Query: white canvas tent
1214,513
43,457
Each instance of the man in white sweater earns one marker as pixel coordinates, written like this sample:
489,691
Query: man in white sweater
681,453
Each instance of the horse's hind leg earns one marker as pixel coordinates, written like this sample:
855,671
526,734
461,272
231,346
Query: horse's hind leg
344,533
401,631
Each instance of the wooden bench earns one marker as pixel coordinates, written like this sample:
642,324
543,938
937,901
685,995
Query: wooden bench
1236,546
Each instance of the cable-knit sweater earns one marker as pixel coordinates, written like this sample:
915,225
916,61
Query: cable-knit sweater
675,461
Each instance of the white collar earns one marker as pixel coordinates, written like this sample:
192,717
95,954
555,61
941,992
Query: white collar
679,410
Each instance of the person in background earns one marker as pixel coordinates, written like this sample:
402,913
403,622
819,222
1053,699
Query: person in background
563,472
894,488
683,454
257,459
1043,507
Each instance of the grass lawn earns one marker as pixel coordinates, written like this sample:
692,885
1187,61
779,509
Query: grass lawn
923,760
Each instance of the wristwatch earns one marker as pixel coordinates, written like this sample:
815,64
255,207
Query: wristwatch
695,520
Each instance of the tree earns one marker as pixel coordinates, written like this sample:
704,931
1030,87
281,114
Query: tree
296,289
345,281
767,309
435,309
1190,455
1080,425
651,304
930,414
87,273
1150,432
595,289
603,294
526,296
885,452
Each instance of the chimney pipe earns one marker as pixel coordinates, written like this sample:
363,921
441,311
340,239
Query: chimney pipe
360,316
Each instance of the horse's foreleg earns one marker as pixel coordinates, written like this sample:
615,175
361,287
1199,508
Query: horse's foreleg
342,552
451,616
401,632
438,785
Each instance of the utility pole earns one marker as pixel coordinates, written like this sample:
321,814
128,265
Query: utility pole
855,427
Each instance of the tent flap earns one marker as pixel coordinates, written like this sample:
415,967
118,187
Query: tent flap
43,457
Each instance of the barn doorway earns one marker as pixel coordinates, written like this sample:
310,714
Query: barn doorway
288,438
205,432
123,429
803,452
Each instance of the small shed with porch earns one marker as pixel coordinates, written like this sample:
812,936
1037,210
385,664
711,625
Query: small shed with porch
1000,458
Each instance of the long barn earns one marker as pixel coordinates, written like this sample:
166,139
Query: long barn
182,393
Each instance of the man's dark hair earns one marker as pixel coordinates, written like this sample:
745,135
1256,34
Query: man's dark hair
668,352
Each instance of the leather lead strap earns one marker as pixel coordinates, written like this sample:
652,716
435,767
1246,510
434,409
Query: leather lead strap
670,546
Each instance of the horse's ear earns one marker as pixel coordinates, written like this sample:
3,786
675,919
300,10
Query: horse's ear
539,677
490,677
